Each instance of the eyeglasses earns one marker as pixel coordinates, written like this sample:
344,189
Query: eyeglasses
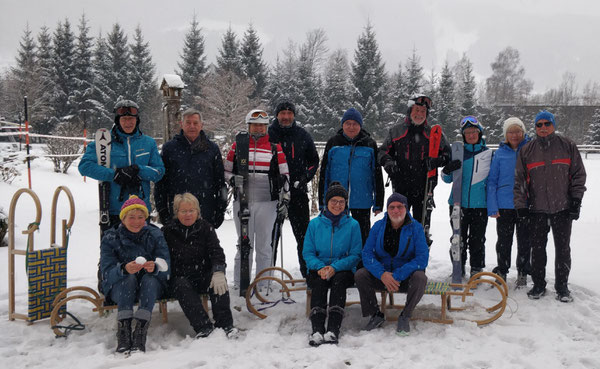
540,124
423,101
187,212
262,114
469,120
127,110
337,202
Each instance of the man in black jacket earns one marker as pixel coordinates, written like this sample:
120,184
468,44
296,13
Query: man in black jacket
303,160
193,164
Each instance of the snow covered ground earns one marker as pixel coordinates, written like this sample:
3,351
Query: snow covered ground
530,334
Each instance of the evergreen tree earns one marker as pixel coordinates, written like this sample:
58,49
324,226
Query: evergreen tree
102,94
42,111
281,84
229,58
593,134
399,96
369,80
446,111
466,87
82,96
120,65
414,75
25,70
253,66
337,95
63,59
430,89
143,82
193,64
507,84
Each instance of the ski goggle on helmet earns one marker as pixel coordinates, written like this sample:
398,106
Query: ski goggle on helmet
470,121
257,116
126,107
420,100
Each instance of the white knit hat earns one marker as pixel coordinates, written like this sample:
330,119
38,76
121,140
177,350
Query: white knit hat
513,121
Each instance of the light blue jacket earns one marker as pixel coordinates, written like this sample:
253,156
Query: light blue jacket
475,169
126,150
337,246
413,252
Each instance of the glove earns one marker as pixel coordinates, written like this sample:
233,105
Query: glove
435,162
219,218
452,166
282,210
300,184
127,176
522,213
218,283
575,209
390,167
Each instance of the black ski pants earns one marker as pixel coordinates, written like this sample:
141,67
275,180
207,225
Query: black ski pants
336,286
540,224
363,217
368,284
299,216
188,292
473,223
415,206
505,228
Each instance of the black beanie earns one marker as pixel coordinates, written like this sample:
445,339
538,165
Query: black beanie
335,189
397,197
285,105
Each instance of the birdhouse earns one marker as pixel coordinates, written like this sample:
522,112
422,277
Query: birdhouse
171,87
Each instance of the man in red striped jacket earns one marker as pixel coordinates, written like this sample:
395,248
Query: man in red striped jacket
266,166
549,185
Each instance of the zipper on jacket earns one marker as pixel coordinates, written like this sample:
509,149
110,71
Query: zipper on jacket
406,247
352,147
331,246
293,151
129,151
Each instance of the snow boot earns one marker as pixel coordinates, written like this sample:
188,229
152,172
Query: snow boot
315,339
564,295
317,319
139,335
376,321
403,327
330,337
499,273
123,336
536,292
334,322
205,330
232,332
521,281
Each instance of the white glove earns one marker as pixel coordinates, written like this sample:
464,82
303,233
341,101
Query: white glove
161,264
218,283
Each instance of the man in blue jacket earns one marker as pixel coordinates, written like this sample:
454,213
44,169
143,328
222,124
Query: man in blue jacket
394,258
134,161
193,164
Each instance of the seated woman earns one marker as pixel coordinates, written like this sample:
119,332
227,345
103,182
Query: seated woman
332,248
198,267
134,262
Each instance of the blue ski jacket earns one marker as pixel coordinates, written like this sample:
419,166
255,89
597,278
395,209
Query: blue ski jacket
337,246
120,246
501,180
354,165
413,252
475,169
126,150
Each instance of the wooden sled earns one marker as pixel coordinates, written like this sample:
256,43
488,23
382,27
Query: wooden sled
446,291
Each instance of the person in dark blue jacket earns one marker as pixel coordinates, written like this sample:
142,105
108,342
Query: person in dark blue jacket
134,262
302,160
476,162
500,203
350,157
394,258
134,161
193,164
332,249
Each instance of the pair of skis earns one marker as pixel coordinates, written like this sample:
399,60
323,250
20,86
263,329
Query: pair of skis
103,145
242,152
435,138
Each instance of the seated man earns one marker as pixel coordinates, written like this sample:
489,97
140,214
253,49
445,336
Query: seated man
394,257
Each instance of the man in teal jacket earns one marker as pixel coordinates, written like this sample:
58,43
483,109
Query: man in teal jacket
395,257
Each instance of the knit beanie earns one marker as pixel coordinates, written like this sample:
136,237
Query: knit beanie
513,121
335,189
544,114
133,202
285,105
352,114
397,197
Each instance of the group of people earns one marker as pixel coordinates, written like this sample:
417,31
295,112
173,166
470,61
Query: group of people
533,186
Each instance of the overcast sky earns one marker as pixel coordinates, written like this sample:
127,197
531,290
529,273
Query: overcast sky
552,36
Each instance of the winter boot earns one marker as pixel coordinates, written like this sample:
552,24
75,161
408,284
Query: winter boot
232,332
205,330
536,292
315,339
521,281
139,335
336,315
124,335
330,337
403,327
317,319
564,295
499,273
376,321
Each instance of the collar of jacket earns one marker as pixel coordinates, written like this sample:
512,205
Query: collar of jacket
546,141
121,136
407,219
261,141
281,129
361,136
183,228
475,147
135,237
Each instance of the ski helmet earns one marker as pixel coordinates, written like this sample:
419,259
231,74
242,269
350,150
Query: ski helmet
419,99
257,116
471,121
126,108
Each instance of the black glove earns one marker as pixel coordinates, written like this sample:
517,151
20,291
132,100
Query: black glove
127,176
522,213
433,163
452,166
219,218
391,168
282,206
575,208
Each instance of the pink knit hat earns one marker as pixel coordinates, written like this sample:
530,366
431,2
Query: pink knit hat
133,202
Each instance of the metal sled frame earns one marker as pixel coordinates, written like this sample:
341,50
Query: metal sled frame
445,290
12,251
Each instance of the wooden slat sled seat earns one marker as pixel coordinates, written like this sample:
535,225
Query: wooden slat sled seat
445,290
98,300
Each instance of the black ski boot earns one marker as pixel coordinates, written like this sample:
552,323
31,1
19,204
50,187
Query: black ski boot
139,335
123,336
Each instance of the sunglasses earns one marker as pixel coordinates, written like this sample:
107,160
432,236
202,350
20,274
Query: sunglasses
547,124
423,101
469,120
127,110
